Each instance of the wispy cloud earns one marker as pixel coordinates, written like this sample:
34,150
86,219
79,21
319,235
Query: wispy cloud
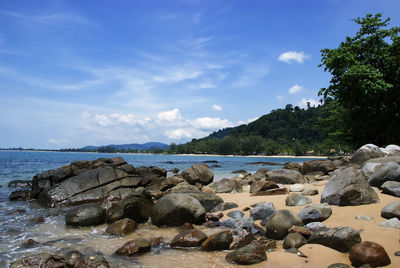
290,56
216,107
296,88
251,74
54,18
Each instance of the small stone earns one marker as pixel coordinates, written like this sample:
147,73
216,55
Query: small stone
30,243
236,214
297,187
397,254
363,217
297,200
392,223
301,230
267,243
294,240
244,241
212,217
246,209
310,191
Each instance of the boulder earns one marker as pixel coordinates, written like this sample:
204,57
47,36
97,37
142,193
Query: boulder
368,252
40,260
244,179
391,210
224,206
301,230
121,227
96,261
297,187
348,188
171,182
280,222
263,211
297,200
391,223
251,254
228,186
20,195
294,166
294,240
20,184
285,176
151,175
200,173
260,174
85,215
218,241
134,247
259,186
181,188
391,150
310,191
324,166
208,201
176,209
188,238
365,153
385,172
340,239
315,212
391,188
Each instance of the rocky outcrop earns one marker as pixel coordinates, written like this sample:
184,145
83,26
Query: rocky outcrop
85,215
324,166
368,252
200,173
285,176
251,254
348,188
340,239
315,212
280,222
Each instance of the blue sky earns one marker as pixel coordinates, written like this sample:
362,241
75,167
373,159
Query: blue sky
76,73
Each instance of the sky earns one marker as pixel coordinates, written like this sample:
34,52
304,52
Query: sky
97,72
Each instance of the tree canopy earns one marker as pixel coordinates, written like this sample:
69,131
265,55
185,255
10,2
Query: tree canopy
364,91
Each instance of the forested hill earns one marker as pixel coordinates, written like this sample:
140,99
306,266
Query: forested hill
290,130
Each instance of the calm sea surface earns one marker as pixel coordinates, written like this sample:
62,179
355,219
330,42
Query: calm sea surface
18,220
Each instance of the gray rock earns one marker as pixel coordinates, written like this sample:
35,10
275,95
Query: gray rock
236,214
263,211
391,188
224,206
228,186
340,239
363,217
324,166
315,212
259,186
251,254
260,174
20,184
171,182
315,226
200,173
385,172
348,188
310,191
296,187
297,200
365,153
392,223
182,188
207,200
294,166
244,179
285,176
280,222
391,210
391,150
20,195
338,265
152,176
238,223
176,209
294,240
39,260
85,215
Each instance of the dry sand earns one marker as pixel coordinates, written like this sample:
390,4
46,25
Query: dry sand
318,255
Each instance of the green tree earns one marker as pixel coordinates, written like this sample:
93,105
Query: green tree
365,83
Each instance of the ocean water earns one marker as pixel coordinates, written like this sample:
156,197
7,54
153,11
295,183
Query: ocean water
18,220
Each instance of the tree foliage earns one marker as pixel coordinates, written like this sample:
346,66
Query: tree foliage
364,91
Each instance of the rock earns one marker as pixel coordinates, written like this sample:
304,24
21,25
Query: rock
385,172
297,200
236,214
301,230
208,201
397,254
121,227
239,171
133,247
218,241
294,240
30,243
20,195
85,215
228,186
340,239
276,191
176,209
391,188
391,210
263,211
208,190
96,261
40,260
348,188
280,222
189,238
297,187
294,166
315,212
247,255
391,150
315,226
368,252
137,207
310,191
198,173
182,188
151,175
20,184
224,206
267,244
72,257
363,217
285,176
324,166
260,174
238,223
392,223
365,153
243,241
171,182
175,170
259,186
338,265
210,161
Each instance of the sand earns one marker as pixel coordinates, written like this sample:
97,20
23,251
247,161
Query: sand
318,255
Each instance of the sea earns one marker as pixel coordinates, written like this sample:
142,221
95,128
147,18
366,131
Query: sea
26,228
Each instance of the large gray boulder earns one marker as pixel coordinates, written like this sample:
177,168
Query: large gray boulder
324,166
391,187
278,225
200,173
340,239
391,150
228,186
85,215
207,200
348,188
365,153
385,172
391,210
315,212
176,209
285,176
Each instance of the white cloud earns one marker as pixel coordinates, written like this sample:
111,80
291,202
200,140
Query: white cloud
180,133
303,102
216,107
294,89
211,123
293,56
170,115
252,119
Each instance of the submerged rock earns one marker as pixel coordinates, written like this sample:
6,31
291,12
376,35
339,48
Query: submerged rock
72,257
96,261
20,195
